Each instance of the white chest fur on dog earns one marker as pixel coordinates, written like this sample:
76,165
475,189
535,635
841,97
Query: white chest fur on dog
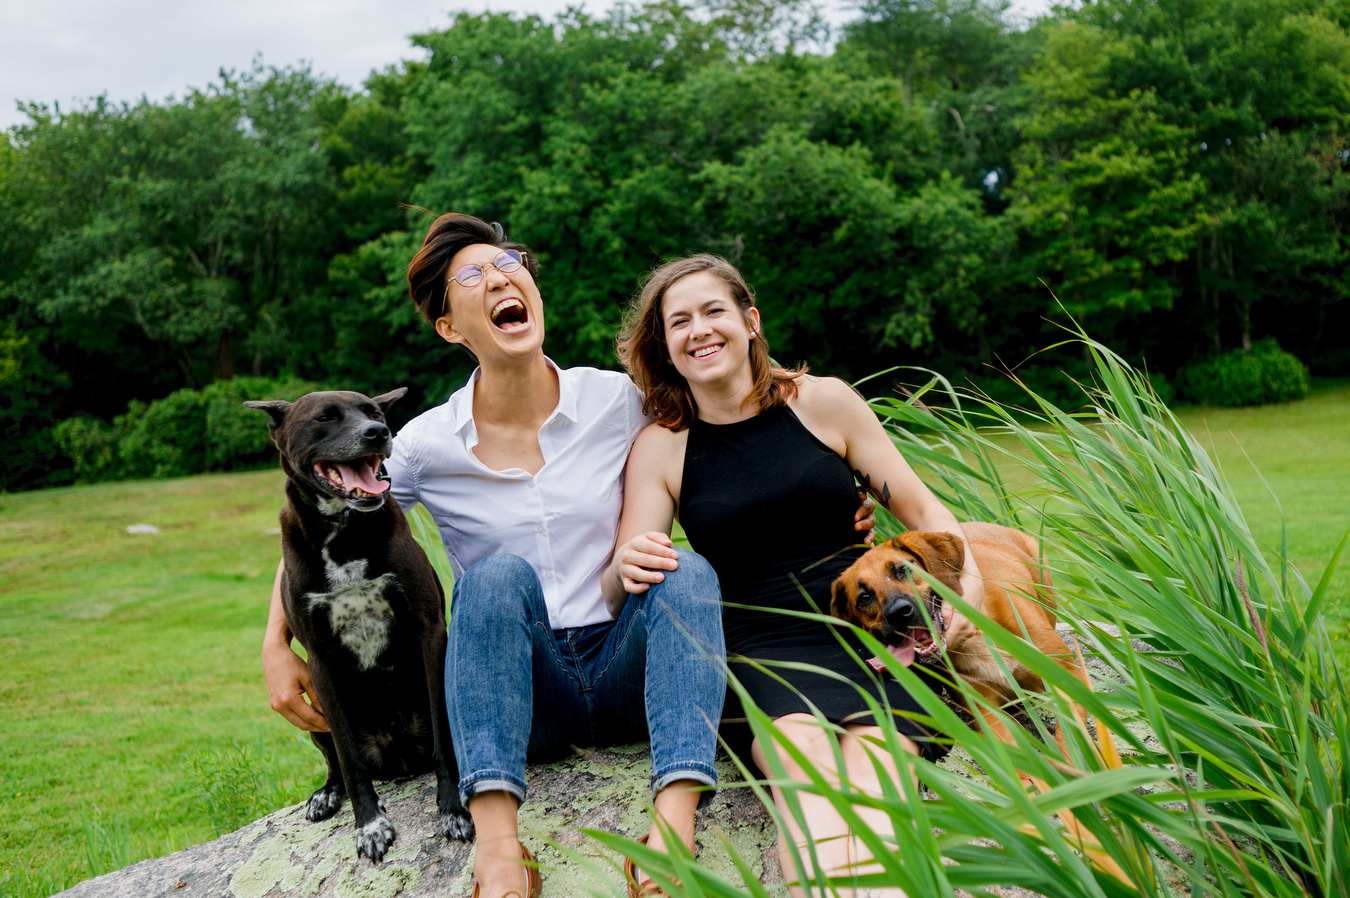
358,612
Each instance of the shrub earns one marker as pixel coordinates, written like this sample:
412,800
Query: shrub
94,446
237,436
1264,373
169,439
186,432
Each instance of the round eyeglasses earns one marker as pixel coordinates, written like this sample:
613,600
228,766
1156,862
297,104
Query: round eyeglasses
506,261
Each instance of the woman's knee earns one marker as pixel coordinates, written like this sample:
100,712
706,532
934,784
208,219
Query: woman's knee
499,589
694,568
691,590
866,754
804,733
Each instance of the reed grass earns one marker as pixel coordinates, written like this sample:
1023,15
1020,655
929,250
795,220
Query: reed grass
1215,676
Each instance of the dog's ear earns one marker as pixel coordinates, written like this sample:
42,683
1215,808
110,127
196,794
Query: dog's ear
277,408
839,603
943,555
384,400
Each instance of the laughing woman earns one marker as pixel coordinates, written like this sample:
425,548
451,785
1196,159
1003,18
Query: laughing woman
760,464
522,470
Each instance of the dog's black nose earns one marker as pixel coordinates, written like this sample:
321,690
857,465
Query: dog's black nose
375,431
901,612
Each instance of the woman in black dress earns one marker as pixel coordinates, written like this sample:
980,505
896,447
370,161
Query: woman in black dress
760,465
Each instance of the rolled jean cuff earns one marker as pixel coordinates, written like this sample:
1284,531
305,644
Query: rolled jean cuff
690,770
491,781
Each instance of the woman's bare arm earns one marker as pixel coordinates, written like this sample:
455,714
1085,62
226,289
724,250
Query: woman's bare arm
643,549
286,673
843,420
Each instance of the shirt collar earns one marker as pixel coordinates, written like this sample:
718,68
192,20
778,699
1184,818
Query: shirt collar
461,401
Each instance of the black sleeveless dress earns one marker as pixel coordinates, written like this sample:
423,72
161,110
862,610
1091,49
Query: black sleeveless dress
771,507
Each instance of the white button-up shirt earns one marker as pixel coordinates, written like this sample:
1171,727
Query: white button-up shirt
563,520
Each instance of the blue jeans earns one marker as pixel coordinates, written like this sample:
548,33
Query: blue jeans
518,689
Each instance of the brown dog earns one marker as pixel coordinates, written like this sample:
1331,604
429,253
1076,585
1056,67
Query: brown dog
883,590
886,590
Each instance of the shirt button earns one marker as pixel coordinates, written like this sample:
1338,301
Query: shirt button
533,485
548,575
539,529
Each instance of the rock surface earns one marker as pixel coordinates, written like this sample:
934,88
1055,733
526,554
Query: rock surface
285,856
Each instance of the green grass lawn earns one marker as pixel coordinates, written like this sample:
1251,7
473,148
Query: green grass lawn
130,662
1302,450
126,659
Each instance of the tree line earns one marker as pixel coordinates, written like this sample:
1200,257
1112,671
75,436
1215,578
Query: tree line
937,186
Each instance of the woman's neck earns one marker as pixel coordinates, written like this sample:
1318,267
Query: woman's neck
725,403
516,394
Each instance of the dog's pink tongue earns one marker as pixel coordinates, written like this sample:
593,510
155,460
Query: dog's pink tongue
363,476
904,653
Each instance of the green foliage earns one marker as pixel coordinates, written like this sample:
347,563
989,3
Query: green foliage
1264,373
168,439
29,385
1178,177
187,432
91,445
233,435
1103,192
238,784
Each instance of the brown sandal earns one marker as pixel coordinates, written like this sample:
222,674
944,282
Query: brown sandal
645,889
534,880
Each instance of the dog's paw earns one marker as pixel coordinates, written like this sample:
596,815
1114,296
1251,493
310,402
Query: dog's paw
323,804
374,839
457,825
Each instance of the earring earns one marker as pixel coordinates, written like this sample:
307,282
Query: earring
752,335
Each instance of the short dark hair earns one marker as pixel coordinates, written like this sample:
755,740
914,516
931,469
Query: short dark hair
642,346
428,272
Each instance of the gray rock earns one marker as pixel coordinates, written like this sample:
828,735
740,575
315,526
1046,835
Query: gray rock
143,529
285,856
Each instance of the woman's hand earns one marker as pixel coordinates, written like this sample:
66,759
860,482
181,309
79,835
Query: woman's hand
641,561
287,685
865,519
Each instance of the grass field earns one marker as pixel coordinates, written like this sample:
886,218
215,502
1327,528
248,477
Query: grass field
1302,452
134,719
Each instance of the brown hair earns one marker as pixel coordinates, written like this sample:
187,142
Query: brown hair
642,346
428,272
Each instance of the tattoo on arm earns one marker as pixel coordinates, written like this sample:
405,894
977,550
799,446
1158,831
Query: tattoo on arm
882,492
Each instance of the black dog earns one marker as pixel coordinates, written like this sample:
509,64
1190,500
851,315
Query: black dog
365,603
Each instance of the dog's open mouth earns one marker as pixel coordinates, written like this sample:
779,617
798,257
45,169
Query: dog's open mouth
509,314
919,644
357,478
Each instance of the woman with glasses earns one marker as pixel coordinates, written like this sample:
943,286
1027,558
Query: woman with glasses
522,470
738,445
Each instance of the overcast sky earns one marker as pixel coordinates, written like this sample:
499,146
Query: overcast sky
65,51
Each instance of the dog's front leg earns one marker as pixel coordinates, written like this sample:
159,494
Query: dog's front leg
374,832
455,821
326,799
